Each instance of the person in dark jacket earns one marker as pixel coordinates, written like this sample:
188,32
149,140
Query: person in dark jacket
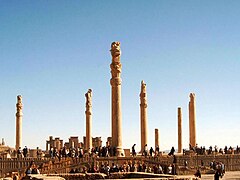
198,174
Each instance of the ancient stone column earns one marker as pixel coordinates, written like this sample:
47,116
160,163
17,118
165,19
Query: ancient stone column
19,116
143,116
116,68
179,130
156,138
88,113
192,120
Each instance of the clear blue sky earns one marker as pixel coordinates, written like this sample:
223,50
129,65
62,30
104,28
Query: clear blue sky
52,52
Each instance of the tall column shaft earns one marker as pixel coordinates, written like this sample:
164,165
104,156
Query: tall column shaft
192,120
156,138
19,117
88,113
179,130
143,116
115,82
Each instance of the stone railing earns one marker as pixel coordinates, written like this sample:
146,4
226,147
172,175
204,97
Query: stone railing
8,165
66,164
231,161
49,166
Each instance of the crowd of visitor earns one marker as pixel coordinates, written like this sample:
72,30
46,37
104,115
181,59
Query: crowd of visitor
109,151
79,152
22,152
214,150
126,167
219,168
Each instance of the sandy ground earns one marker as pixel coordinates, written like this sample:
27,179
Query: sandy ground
230,175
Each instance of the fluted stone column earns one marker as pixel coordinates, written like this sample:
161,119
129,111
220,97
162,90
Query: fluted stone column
88,113
116,68
143,116
19,116
192,120
179,130
156,138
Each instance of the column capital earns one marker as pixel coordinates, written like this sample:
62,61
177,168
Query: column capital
19,105
88,96
116,81
143,95
192,97
143,92
115,51
116,66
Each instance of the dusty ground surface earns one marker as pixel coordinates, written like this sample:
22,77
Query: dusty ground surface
230,175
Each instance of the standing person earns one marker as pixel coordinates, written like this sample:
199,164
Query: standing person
35,170
19,153
145,150
160,170
51,152
186,164
157,151
169,169
198,174
171,152
173,169
38,153
222,169
217,175
25,151
133,150
151,151
29,170
15,177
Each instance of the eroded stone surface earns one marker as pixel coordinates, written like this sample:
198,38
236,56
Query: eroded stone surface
19,116
116,68
88,113
192,120
179,130
143,116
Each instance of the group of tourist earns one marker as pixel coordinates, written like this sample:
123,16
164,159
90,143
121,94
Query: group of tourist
126,167
219,168
130,167
104,151
22,152
79,152
146,152
32,169
65,152
203,151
